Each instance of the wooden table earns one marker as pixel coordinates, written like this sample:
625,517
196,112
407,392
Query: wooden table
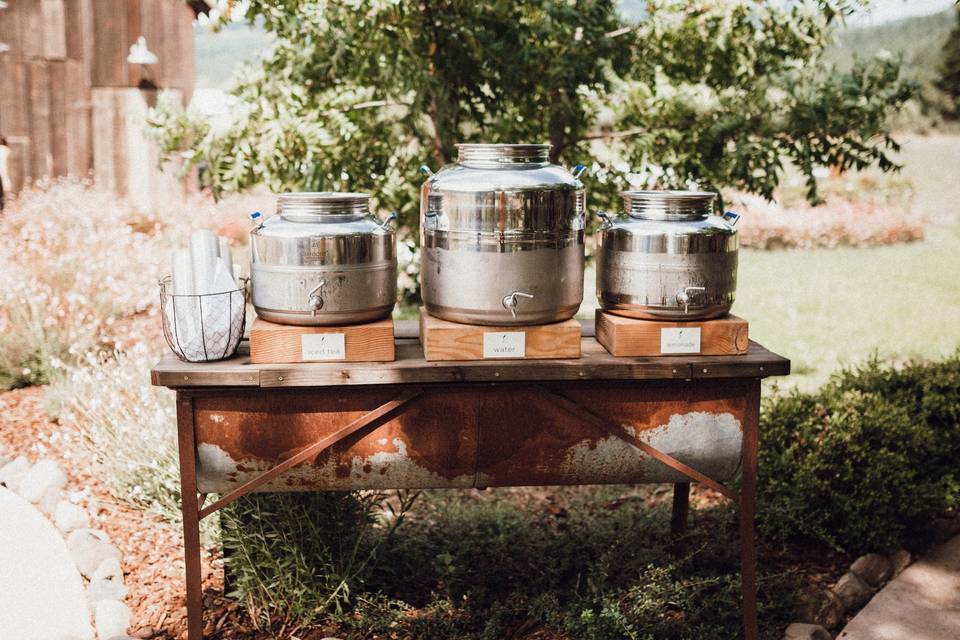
415,424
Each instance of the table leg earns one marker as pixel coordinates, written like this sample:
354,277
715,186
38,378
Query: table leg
681,508
191,515
748,498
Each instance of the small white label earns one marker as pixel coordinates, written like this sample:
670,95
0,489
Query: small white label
322,346
510,344
680,340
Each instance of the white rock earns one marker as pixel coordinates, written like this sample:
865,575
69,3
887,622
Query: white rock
48,503
800,631
44,477
100,590
109,569
112,619
12,473
852,591
41,591
89,548
68,516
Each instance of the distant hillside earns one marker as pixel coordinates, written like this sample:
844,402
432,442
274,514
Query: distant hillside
219,54
919,40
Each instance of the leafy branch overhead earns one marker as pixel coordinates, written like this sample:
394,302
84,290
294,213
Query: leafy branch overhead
357,95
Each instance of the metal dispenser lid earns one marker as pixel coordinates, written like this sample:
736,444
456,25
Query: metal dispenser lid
313,205
493,155
668,205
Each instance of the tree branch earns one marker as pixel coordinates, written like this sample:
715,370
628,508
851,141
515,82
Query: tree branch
611,135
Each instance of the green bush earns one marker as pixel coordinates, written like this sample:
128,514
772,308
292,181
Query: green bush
294,556
863,460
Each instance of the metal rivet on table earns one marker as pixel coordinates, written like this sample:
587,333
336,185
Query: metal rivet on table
496,374
761,367
674,370
704,369
279,378
186,377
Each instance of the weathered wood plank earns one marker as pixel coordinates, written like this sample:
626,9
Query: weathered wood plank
111,43
79,142
14,97
31,28
41,160
11,20
19,161
54,29
74,19
59,132
177,48
595,363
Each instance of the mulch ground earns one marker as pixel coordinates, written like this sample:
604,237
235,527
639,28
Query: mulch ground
152,549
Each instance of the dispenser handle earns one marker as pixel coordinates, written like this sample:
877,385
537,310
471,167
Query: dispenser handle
687,294
315,300
511,301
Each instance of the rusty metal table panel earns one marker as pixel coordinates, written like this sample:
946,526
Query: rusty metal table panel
526,439
239,435
469,435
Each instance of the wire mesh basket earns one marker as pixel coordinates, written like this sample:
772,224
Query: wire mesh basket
206,327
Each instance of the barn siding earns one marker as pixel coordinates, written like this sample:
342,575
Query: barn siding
61,53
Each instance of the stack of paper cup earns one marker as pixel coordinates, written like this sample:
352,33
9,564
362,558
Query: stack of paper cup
202,308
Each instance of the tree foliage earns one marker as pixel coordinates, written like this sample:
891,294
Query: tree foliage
949,81
358,94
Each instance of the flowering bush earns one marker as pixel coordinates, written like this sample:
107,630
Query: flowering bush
79,261
120,416
858,211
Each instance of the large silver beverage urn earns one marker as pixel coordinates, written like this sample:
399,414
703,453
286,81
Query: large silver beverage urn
502,237
668,257
323,260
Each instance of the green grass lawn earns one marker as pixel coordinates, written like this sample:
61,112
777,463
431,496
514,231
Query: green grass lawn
828,307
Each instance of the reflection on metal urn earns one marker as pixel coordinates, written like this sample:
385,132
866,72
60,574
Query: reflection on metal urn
502,237
323,260
668,258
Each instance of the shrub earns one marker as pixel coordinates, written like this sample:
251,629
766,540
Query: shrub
128,424
294,556
861,461
82,260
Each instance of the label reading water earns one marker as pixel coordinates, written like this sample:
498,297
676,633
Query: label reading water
509,344
680,340
322,346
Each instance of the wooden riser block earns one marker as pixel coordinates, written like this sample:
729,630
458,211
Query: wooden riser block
445,340
622,336
272,343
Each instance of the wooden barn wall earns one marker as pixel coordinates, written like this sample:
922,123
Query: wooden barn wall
60,51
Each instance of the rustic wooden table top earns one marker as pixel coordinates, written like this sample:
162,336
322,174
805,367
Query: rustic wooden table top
595,363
